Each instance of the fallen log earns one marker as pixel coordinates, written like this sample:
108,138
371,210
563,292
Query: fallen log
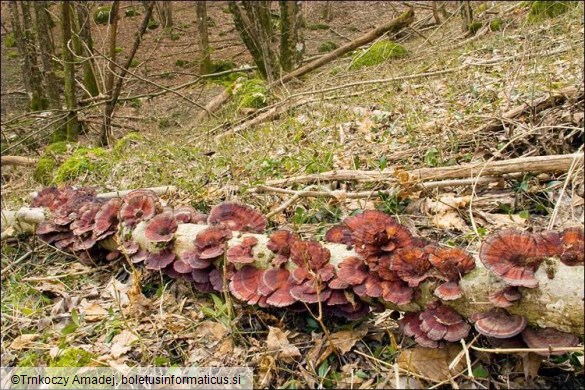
538,164
18,160
556,301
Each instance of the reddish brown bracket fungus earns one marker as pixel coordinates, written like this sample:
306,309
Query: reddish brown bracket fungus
548,243
82,243
192,258
310,291
45,228
136,208
275,285
106,218
243,252
309,254
238,217
498,323
158,261
48,197
86,218
187,214
129,247
279,244
182,266
505,297
244,284
374,232
396,292
448,291
547,338
140,256
440,322
352,271
161,228
210,241
339,234
411,265
452,263
512,255
573,247
410,326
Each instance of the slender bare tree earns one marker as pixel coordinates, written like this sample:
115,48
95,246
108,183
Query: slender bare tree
72,123
205,64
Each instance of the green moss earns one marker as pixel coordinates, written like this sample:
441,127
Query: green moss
118,49
153,24
83,160
496,24
474,27
45,169
252,94
130,12
134,63
377,53
13,54
222,66
540,10
129,139
9,41
327,46
181,62
102,15
72,357
318,26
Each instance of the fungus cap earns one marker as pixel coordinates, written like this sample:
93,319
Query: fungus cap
499,324
238,217
549,337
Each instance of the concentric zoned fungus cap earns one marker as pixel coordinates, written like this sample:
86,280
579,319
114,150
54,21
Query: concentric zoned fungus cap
161,228
309,254
82,242
279,244
513,256
106,219
191,256
238,217
349,311
210,241
410,326
411,265
443,323
573,247
275,285
339,234
243,252
505,297
138,207
499,324
449,291
85,218
310,291
158,261
548,243
374,232
547,338
396,292
48,197
352,271
244,284
181,266
452,263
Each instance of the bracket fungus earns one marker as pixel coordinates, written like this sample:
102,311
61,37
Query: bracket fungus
505,297
547,338
161,228
499,323
238,217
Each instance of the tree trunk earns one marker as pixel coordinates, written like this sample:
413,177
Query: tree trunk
436,12
72,123
393,26
115,92
328,11
466,15
291,47
205,65
47,50
110,74
165,13
25,41
84,28
255,28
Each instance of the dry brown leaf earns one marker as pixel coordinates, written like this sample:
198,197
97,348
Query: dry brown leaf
23,341
317,344
215,330
449,221
432,363
92,311
343,341
531,364
503,220
265,371
278,343
121,343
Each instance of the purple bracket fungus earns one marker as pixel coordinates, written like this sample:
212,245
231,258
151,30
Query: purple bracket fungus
161,228
505,297
547,338
238,217
498,323
210,242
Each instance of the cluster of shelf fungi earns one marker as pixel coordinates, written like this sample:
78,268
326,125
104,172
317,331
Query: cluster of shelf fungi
388,264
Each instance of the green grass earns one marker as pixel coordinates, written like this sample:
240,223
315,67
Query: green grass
378,53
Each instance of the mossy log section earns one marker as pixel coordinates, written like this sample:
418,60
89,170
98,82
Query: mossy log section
392,26
556,303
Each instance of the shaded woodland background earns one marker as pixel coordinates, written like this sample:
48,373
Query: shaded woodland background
134,94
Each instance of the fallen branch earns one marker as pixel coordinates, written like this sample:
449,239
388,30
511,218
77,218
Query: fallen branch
553,163
213,105
392,26
18,160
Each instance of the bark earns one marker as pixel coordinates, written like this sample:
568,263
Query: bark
26,44
393,26
17,160
165,13
205,65
110,73
328,11
436,12
538,164
466,15
214,104
111,104
86,41
556,302
290,57
47,51
72,124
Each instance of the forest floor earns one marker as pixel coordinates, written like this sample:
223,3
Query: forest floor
58,312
